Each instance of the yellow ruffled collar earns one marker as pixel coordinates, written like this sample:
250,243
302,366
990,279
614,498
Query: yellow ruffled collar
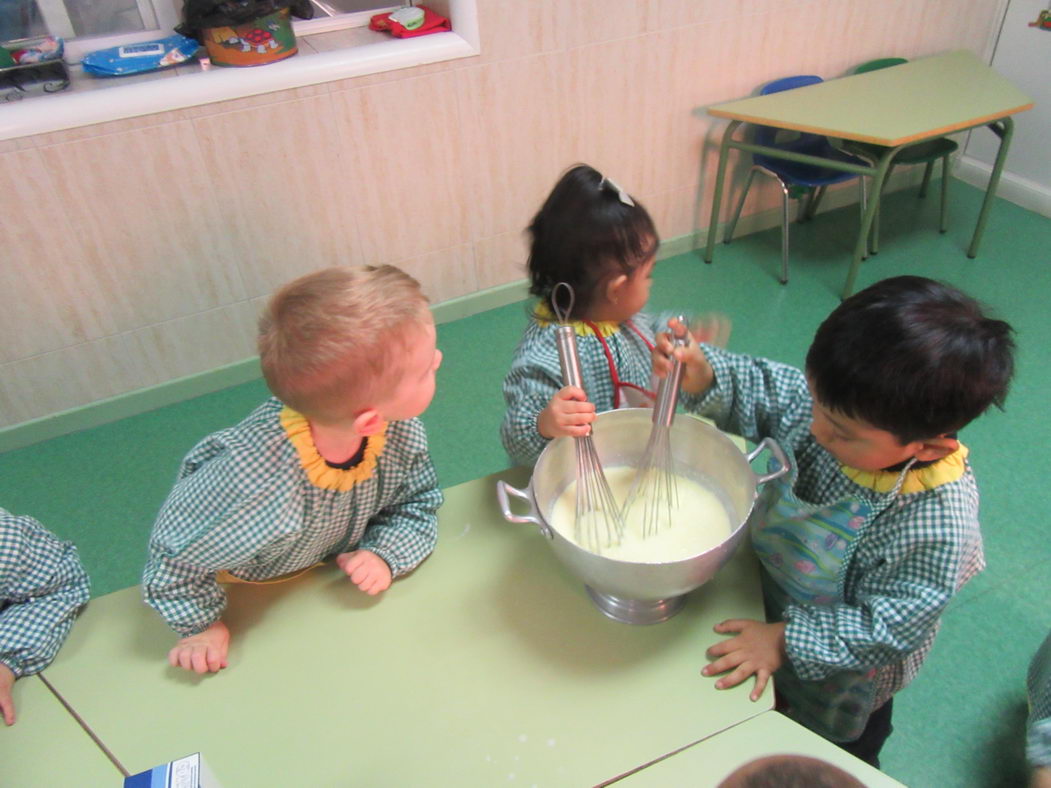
319,472
544,316
947,469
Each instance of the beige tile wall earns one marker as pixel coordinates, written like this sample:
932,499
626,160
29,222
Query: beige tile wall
138,251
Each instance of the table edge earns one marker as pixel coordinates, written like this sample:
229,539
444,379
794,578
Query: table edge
884,141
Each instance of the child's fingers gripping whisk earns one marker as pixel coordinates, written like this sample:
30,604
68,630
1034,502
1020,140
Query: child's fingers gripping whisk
710,328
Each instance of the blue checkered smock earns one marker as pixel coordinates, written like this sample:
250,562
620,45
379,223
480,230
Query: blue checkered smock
243,503
1038,739
536,375
42,586
909,557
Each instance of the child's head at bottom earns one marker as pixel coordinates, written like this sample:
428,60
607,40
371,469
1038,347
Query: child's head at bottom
789,771
595,237
342,342
899,367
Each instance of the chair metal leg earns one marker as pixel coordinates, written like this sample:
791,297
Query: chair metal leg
784,214
784,232
740,204
926,179
785,203
803,214
815,200
943,222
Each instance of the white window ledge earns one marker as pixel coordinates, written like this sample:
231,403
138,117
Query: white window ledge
188,86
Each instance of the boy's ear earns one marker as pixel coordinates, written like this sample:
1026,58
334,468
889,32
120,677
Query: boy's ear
614,286
368,422
935,448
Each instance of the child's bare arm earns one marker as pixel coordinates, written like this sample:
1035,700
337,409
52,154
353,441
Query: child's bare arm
758,649
7,703
404,532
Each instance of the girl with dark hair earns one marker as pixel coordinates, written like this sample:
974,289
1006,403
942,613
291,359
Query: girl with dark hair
593,236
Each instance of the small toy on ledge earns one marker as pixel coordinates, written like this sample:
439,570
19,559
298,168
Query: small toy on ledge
1043,21
409,21
32,65
141,57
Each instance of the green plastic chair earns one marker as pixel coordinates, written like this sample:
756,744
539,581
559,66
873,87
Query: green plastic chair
925,153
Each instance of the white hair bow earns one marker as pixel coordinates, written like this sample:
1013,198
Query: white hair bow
623,195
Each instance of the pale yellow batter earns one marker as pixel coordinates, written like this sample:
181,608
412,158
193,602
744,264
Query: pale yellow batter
699,523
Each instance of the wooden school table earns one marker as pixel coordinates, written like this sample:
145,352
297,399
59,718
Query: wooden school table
46,746
708,763
487,666
894,107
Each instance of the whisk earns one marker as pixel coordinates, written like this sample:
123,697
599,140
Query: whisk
655,487
598,521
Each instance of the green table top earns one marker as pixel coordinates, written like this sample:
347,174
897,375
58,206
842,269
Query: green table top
46,746
929,97
709,762
489,665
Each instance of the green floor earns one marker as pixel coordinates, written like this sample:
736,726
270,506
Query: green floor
961,722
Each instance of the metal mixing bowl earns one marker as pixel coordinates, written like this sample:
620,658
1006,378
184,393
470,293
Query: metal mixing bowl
645,593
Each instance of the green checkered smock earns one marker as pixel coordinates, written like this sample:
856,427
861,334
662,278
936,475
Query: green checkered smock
42,586
243,503
536,375
911,553
1038,739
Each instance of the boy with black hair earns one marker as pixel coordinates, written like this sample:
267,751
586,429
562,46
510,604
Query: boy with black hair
875,529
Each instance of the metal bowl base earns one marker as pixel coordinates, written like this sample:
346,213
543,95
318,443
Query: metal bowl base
636,611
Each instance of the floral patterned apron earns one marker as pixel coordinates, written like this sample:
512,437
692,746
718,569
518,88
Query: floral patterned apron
805,551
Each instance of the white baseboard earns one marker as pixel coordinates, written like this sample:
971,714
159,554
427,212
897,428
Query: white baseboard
1021,191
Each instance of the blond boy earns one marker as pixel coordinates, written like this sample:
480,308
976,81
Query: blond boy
335,465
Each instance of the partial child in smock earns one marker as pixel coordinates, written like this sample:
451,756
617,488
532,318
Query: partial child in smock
335,465
42,587
593,236
1038,727
875,529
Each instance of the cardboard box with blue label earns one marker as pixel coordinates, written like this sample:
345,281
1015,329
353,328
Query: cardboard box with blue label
188,772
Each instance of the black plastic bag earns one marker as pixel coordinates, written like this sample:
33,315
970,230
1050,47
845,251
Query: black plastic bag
198,15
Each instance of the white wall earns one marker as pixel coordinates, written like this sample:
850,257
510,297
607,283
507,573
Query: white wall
1023,55
138,251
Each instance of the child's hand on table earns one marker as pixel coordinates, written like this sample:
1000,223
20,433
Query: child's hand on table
366,570
204,652
7,703
758,649
567,414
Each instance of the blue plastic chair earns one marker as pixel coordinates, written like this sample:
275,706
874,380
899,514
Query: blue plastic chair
796,179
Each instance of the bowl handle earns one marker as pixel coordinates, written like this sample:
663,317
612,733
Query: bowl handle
779,455
503,491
